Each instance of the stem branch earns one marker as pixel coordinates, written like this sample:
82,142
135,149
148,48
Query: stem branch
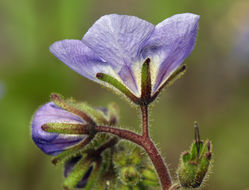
149,147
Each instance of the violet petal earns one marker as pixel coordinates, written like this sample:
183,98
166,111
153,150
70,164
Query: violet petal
118,39
171,42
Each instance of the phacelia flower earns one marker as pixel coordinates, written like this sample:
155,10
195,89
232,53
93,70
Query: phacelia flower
117,46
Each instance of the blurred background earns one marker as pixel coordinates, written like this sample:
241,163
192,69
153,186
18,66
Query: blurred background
214,91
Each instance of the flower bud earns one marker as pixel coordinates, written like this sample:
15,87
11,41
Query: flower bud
129,175
64,123
195,164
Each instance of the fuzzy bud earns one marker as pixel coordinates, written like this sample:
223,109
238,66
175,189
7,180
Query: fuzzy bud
195,164
129,175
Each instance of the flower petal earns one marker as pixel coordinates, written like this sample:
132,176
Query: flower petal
171,42
118,39
80,58
52,143
83,60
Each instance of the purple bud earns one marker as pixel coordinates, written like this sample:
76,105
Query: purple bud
53,143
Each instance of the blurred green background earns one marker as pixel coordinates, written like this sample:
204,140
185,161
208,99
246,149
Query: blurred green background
214,91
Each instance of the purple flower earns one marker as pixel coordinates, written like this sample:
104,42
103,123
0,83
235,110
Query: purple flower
118,45
53,143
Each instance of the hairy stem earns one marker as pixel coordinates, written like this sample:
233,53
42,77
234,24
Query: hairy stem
148,146
153,153
145,126
123,133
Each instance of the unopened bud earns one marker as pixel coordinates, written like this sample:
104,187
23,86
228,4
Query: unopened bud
129,175
195,164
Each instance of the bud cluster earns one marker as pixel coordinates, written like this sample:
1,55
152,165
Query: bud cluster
96,160
134,169
106,162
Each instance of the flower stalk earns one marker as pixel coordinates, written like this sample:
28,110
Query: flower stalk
148,146
144,141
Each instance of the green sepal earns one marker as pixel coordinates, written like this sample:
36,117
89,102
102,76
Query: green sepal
149,177
65,155
77,173
120,159
171,80
146,81
118,85
186,157
136,156
87,112
78,149
176,75
69,105
94,179
66,128
193,167
97,180
98,116
196,149
195,164
106,161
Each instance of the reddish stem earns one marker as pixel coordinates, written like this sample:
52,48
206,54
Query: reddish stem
153,153
145,126
149,147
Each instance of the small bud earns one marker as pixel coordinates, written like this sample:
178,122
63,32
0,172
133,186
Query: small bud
129,175
195,164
